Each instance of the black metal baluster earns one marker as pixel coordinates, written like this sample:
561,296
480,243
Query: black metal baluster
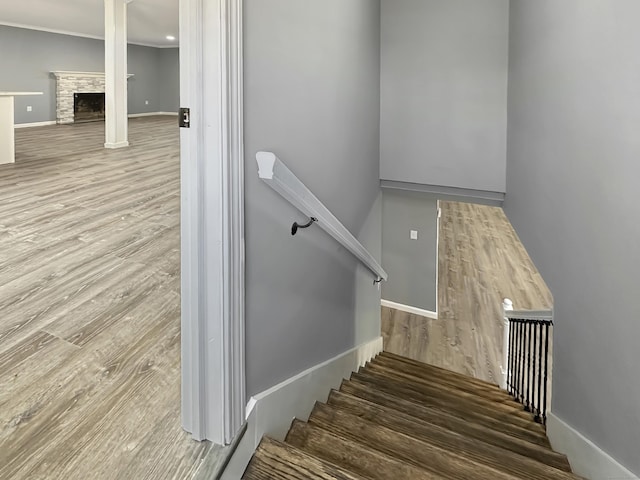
533,370
546,373
539,415
523,362
516,359
523,358
528,377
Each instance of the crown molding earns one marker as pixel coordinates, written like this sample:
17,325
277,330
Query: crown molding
78,34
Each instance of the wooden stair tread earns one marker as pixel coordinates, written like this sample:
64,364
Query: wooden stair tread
443,419
438,370
277,460
442,379
397,418
403,447
443,391
451,402
489,398
417,407
472,447
352,455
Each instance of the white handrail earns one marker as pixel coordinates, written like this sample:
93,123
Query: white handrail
276,174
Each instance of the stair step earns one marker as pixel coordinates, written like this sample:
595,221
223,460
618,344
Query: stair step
443,379
438,370
473,448
426,409
352,456
459,402
444,391
403,447
277,460
454,389
440,418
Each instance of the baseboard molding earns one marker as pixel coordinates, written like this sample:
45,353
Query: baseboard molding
449,193
35,124
586,458
272,411
409,309
153,114
116,145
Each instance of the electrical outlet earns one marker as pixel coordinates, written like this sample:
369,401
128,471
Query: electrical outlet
29,108
146,102
414,234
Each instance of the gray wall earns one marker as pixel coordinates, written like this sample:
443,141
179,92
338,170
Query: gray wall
411,264
312,97
572,195
169,79
28,57
444,92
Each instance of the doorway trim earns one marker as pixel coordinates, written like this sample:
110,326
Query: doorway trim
212,219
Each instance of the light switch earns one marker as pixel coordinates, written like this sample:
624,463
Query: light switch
29,108
414,234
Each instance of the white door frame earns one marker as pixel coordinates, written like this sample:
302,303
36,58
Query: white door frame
212,219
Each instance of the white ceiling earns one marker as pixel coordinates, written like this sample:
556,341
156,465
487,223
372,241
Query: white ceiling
149,21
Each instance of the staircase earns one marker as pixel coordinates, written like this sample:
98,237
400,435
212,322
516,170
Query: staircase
401,419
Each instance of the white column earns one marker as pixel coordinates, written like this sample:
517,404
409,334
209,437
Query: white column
115,56
7,148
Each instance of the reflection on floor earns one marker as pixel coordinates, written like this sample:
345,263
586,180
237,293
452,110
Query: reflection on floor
90,302
480,262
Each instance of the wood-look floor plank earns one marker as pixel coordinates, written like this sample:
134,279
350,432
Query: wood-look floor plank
90,296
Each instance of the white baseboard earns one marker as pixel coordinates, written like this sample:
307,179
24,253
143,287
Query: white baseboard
586,458
409,309
116,145
152,114
272,411
35,124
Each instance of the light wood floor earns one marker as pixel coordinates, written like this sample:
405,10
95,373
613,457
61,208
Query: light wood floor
90,307
480,262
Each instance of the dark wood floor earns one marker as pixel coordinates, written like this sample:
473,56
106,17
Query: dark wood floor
480,262
90,307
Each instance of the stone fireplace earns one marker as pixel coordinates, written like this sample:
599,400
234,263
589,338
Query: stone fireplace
68,84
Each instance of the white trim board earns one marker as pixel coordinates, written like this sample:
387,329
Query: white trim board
586,458
409,309
272,411
35,124
212,220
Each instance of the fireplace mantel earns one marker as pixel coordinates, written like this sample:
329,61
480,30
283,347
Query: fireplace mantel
63,73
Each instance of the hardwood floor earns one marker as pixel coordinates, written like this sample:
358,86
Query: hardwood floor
90,303
480,262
